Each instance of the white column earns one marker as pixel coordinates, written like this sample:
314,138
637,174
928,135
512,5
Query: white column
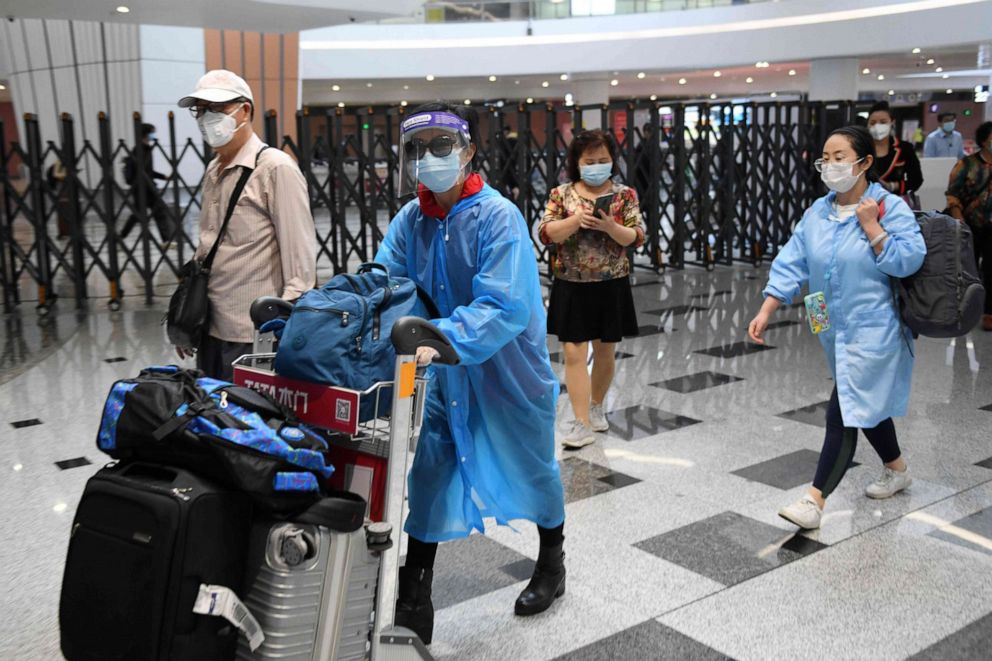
834,79
592,94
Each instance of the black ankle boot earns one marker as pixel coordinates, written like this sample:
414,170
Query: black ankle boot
547,583
414,609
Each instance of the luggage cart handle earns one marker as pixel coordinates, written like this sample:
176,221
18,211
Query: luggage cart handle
410,333
267,308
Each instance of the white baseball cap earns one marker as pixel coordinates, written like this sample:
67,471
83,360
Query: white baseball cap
216,86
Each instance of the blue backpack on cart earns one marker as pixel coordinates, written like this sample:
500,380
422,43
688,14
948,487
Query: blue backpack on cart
339,334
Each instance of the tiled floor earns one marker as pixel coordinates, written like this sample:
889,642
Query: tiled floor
673,545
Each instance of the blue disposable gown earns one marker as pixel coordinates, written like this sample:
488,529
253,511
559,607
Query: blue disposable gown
487,445
867,346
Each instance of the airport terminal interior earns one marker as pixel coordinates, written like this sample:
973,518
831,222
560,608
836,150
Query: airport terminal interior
678,543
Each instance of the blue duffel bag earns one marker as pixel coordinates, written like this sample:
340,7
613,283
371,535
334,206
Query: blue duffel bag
338,334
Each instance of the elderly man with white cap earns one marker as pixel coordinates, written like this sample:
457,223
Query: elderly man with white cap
268,246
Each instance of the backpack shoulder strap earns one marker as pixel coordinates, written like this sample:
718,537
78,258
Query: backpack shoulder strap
235,196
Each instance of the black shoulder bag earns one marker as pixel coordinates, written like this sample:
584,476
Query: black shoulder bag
189,309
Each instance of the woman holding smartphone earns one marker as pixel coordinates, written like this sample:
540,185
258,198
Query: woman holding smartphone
847,248
592,221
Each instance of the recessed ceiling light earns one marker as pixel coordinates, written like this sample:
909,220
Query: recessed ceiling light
614,82
545,84
468,102
950,91
369,85
762,65
340,104
946,76
564,76
749,79
792,72
866,71
774,95
930,61
892,92
530,99
717,74
654,97
881,76
2,87
336,88
403,103
939,69
641,75
406,87
682,81
712,96
492,79
916,51
430,77
123,10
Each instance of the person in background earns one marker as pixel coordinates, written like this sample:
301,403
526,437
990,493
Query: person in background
896,165
944,142
591,299
969,199
846,250
153,199
270,246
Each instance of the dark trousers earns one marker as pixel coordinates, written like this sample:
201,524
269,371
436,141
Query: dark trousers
840,442
215,356
156,207
982,236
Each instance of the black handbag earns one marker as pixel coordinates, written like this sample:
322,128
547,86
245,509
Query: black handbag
189,309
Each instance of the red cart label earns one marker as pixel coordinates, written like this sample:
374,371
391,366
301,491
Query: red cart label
315,404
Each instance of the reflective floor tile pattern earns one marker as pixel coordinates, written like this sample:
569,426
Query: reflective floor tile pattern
673,544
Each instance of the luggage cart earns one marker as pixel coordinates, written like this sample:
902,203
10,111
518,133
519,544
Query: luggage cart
321,594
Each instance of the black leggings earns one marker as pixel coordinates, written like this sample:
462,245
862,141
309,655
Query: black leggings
421,554
840,442
983,255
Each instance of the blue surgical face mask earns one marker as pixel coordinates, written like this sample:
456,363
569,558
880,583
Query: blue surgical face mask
439,174
596,174
949,126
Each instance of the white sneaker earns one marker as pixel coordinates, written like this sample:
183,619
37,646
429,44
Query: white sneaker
597,418
805,513
579,435
889,483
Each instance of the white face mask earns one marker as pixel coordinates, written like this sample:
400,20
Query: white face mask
217,128
839,176
880,131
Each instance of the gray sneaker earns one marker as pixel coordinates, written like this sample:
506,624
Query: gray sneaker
578,436
888,484
597,418
805,513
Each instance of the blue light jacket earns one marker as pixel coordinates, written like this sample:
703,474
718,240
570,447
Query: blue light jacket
487,445
868,348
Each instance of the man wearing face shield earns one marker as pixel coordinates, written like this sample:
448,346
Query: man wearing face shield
487,445
269,245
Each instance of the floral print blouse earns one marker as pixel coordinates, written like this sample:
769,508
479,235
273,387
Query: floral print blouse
590,255
971,189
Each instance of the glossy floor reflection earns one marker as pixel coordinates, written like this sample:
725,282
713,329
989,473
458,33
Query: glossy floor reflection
674,546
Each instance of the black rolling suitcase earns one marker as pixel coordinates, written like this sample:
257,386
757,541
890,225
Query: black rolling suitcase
144,540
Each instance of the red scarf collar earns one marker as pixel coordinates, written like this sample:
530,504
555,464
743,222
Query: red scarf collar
429,205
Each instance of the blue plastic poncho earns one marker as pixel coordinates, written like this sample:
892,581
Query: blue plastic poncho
487,445
867,346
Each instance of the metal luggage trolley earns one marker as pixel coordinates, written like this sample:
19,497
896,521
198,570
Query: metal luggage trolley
337,600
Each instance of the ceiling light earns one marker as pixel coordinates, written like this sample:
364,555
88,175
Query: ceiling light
492,79
530,99
749,80
654,97
881,76
717,74
950,91
939,69
123,10
774,95
792,72
2,87
641,75
682,81
336,88
340,104
545,84
892,92
712,96
430,77
468,102
866,71
403,103
946,76
762,65
564,76
614,82
916,51
516,82
406,87
930,61
369,85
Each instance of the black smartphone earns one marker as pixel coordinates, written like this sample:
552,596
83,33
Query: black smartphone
603,203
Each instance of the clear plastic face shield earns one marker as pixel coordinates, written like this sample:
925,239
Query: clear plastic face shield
435,150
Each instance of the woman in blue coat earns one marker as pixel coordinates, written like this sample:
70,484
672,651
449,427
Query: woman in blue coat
487,444
849,245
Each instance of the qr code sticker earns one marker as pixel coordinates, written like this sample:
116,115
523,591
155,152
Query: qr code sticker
342,410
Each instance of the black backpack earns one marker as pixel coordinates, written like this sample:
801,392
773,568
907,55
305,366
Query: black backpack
945,297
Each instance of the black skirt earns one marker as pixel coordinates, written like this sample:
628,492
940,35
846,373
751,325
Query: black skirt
586,311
